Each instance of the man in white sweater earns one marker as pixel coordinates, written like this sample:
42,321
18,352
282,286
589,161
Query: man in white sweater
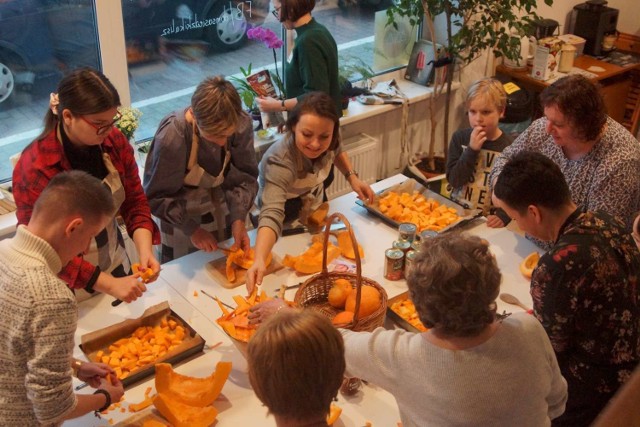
40,311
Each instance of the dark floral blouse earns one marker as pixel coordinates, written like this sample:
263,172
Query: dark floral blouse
585,294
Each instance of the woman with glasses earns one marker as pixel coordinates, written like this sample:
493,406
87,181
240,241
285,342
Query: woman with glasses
201,172
79,134
313,63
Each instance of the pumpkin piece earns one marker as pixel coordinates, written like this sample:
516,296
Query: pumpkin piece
334,413
346,246
182,415
153,423
242,260
145,273
529,264
318,216
137,407
310,261
230,270
370,301
236,323
192,391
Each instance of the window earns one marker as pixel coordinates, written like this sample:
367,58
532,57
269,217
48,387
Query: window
171,45
36,49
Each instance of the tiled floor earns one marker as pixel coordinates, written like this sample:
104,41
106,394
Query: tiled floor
21,118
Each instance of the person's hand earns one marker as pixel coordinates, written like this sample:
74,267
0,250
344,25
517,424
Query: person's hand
92,373
362,189
477,139
127,289
240,237
150,261
494,221
204,240
268,104
255,273
116,391
263,311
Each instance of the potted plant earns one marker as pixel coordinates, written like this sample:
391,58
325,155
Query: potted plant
353,68
472,26
247,94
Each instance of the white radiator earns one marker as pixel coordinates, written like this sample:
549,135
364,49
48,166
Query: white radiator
363,153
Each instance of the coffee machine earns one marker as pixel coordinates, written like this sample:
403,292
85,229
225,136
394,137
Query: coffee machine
592,21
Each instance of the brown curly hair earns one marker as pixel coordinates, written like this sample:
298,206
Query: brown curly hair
454,284
581,101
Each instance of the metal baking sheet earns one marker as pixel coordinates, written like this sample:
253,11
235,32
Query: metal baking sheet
101,339
411,185
397,319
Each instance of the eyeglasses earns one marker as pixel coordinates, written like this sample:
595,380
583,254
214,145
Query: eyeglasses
102,129
276,12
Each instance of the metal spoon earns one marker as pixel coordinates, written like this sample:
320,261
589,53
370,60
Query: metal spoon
512,299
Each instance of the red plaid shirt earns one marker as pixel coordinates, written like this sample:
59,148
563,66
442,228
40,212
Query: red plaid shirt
45,158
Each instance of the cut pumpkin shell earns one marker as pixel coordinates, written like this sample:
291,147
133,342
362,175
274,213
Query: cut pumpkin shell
529,264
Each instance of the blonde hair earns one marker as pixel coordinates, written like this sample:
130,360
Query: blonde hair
216,105
296,364
491,89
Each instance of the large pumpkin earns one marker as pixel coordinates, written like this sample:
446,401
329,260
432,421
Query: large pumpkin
182,415
189,390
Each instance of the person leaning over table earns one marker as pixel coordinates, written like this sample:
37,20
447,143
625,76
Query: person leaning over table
37,342
598,157
201,172
293,170
313,63
471,368
473,150
584,289
79,133
296,365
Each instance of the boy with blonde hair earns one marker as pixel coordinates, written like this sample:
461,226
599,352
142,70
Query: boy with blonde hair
472,151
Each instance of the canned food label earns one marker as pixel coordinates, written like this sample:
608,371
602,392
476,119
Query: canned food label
407,231
394,264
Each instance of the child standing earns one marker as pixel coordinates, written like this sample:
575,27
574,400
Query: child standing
472,151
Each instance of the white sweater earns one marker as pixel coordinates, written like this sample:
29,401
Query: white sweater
511,379
39,318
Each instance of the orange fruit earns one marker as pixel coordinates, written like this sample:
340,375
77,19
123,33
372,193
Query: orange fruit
342,318
370,301
529,264
339,292
337,296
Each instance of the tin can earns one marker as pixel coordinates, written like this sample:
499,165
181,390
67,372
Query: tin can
416,245
409,261
407,231
403,245
393,264
427,234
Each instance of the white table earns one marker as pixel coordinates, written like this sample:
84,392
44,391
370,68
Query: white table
238,404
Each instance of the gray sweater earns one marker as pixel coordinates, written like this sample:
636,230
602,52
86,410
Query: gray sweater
166,168
511,379
36,344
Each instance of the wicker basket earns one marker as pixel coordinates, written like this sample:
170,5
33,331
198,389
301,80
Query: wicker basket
314,292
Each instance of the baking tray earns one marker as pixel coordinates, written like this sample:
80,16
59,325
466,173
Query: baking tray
411,185
101,339
398,320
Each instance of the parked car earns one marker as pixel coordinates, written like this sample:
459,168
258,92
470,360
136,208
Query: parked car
44,38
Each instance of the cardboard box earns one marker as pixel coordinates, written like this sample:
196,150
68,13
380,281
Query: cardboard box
103,338
577,41
547,58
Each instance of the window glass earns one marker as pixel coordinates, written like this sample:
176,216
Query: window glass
173,45
36,49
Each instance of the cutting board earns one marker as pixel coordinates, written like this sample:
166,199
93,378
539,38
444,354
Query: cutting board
217,269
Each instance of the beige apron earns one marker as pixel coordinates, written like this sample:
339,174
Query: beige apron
107,248
310,188
205,204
